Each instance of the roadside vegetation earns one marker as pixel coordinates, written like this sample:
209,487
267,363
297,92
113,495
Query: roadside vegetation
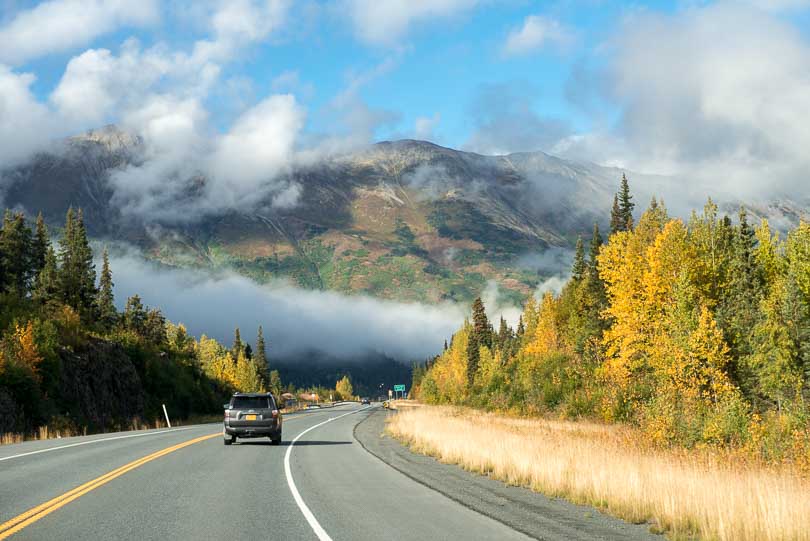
718,495
71,363
694,335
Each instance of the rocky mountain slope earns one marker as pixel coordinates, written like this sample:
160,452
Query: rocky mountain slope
407,220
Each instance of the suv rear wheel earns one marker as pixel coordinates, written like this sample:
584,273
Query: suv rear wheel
230,440
274,441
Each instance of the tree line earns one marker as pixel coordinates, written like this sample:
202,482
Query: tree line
696,331
55,308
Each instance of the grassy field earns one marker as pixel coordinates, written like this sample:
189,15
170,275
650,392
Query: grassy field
707,494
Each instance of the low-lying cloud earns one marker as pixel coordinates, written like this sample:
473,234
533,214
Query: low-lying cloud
295,320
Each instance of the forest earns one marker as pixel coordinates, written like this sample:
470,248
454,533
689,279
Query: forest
697,332
70,361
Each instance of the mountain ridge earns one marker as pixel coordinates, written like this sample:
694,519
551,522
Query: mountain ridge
404,219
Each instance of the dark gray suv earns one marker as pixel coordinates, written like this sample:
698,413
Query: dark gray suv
252,415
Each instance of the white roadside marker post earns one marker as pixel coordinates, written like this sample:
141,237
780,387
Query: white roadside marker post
168,422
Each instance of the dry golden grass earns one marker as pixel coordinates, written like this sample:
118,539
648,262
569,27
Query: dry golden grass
708,494
47,433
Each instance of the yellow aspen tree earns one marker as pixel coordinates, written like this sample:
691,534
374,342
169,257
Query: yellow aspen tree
25,348
530,316
708,360
798,254
622,266
547,335
768,253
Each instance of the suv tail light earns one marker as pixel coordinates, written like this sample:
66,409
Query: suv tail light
274,413
227,414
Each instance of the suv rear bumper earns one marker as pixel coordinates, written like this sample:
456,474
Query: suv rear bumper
253,431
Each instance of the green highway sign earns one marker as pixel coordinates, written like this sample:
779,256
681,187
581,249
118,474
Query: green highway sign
398,388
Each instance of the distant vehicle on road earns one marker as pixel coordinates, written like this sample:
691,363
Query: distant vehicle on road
313,406
252,415
365,401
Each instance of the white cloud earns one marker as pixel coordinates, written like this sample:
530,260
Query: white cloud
97,84
425,126
23,120
238,23
386,22
718,95
257,148
536,33
294,320
63,24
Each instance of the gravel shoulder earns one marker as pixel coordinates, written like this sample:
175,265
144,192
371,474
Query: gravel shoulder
528,512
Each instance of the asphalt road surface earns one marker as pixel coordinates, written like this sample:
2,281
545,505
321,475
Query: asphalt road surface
185,484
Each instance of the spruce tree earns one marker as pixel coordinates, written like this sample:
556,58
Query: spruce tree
16,252
504,335
626,204
481,327
155,327
40,245
105,305
479,336
260,354
238,347
77,271
86,268
578,268
616,222
46,287
596,245
134,316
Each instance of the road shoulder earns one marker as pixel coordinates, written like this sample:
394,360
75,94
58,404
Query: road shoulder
531,513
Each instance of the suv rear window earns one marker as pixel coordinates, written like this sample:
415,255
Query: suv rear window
251,403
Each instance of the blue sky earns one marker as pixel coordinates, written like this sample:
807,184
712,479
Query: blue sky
715,90
437,69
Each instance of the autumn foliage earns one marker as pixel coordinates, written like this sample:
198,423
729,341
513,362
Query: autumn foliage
697,331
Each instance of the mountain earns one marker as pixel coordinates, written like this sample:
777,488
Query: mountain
405,220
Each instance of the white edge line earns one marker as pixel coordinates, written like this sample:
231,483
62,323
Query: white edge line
313,522
98,440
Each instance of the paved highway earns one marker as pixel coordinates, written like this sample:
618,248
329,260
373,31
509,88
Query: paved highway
185,484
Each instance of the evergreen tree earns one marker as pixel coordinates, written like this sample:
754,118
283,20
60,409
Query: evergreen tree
504,336
77,271
616,222
16,252
480,336
105,306
40,245
46,288
238,346
481,327
578,268
738,311
248,352
596,245
155,327
521,328
134,317
261,352
626,204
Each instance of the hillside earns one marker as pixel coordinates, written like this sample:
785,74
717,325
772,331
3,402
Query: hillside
405,220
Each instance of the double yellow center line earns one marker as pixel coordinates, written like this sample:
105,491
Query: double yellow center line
19,522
